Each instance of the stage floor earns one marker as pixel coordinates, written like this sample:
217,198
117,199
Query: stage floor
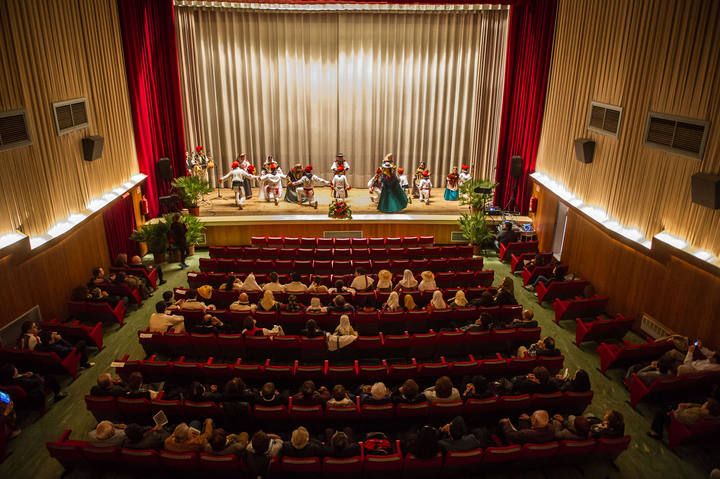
359,200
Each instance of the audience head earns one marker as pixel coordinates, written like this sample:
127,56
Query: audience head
249,323
300,438
339,285
480,383
408,279
136,260
315,302
507,226
311,326
458,429
486,299
307,389
437,300
98,272
542,374
167,296
273,277
295,276
508,285
410,389
460,299
427,276
614,420
218,440
344,327
339,301
393,300
360,271
243,298
582,426
181,432
443,387
339,441
234,386
160,307
548,343
104,430
378,391
134,432
409,302
135,381
321,289
384,275
104,380
539,419
260,443
121,259
581,381
528,315
339,393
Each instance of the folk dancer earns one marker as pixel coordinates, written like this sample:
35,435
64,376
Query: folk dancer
375,185
272,183
293,175
464,175
340,161
404,184
392,197
451,185
245,164
307,192
424,186
340,185
238,176
416,179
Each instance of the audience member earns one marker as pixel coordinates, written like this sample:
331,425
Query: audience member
428,281
221,444
191,302
699,359
408,393
139,437
340,305
384,283
685,413
437,302
536,382
108,386
409,303
136,262
477,388
531,429
268,395
136,389
612,425
232,284
506,294
392,305
33,384
341,445
580,382
295,285
507,235
316,306
309,395
558,274
301,445
274,284
107,434
376,393
362,282
457,438
312,330
33,339
573,428
544,347
160,322
443,391
459,301
292,305
267,302
408,282
340,288
250,328
343,336
262,448
242,305
340,397
189,438
250,284
527,320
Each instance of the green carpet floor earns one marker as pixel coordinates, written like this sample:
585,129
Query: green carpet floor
646,458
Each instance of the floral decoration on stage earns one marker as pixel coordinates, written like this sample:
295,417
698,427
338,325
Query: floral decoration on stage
340,210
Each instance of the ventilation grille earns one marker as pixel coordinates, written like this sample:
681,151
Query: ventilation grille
684,136
604,118
342,234
13,130
70,115
654,328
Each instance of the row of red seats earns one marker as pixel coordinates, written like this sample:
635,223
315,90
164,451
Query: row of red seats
679,433
530,275
473,410
517,261
579,307
516,248
295,372
309,266
150,276
355,252
616,355
423,345
602,329
92,311
560,290
325,242
669,384
44,363
71,453
75,330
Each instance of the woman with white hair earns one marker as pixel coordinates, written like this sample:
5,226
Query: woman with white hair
250,284
393,303
344,334
428,281
407,283
437,301
459,301
107,434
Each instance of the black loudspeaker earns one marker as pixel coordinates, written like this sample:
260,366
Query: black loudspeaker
584,150
92,147
516,166
164,169
706,190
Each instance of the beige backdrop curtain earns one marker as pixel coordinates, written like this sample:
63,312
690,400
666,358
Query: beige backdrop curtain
304,86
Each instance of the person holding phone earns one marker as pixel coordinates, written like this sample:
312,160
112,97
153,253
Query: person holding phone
8,425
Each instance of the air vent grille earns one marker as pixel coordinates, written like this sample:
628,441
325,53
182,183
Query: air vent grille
13,130
684,136
70,115
604,118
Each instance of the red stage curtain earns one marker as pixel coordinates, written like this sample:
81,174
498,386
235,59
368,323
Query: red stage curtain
119,222
148,30
529,54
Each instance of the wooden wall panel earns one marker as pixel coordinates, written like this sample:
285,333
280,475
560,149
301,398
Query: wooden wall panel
47,278
545,217
50,52
643,55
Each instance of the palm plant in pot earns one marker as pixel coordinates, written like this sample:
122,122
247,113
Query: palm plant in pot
155,236
195,230
191,190
475,229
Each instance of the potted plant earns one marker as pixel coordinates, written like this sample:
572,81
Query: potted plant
476,194
195,230
155,236
475,229
191,190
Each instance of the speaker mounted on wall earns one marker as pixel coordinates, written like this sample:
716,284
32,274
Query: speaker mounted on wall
706,190
164,169
92,147
584,150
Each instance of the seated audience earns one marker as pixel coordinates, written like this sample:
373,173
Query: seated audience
392,304
340,397
384,282
274,284
221,444
685,413
207,324
526,321
409,303
341,444
340,288
544,347
437,302
262,448
428,281
580,382
558,274
477,388
295,286
443,391
699,359
408,283
232,284
507,235
408,393
268,395
250,284
656,369
191,302
484,323
95,295
136,262
612,425
309,395
531,429
506,294
267,302
374,394
315,306
424,444
236,391
459,301
33,384
135,388
250,328
456,437
573,428
168,300
312,330
242,305
108,386
292,305
485,300
160,322
34,339
144,437
362,282
344,334
536,382
301,445
188,438
340,305
107,434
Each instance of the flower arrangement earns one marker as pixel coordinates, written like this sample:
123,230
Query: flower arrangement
340,210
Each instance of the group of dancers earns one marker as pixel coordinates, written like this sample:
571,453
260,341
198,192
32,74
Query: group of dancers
389,188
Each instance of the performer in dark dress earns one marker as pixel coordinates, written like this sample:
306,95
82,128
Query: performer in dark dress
392,197
293,175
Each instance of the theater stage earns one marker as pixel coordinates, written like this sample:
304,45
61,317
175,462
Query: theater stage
228,225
